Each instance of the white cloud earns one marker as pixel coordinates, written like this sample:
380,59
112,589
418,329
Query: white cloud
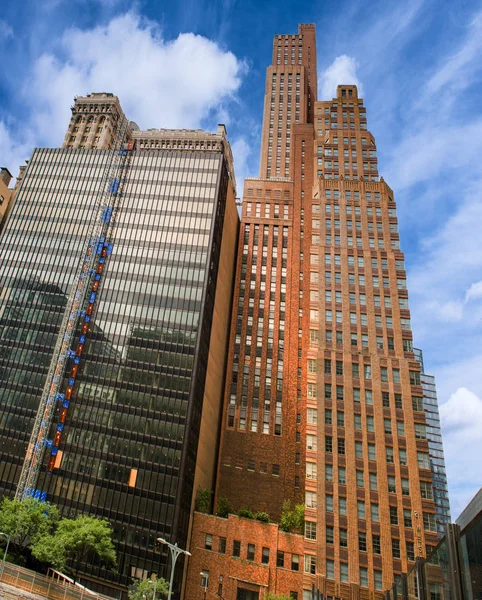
160,83
461,419
342,71
456,71
474,292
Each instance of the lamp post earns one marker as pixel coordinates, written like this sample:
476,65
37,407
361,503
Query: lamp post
2,565
153,576
175,552
205,586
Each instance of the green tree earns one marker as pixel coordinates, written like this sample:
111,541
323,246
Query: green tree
223,508
143,589
270,596
292,518
73,541
203,500
25,521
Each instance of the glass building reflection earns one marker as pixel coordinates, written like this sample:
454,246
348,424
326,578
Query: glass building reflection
144,414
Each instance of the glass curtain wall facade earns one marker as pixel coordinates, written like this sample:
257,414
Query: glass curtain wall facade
436,449
130,443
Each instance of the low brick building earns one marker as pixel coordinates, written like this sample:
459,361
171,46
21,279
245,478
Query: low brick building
243,559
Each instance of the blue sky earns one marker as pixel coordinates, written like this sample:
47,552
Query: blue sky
195,63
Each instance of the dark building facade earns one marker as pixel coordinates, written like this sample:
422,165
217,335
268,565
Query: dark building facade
141,428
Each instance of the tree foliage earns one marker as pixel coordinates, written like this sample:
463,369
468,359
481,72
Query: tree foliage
223,508
292,518
25,521
143,589
203,500
73,541
270,596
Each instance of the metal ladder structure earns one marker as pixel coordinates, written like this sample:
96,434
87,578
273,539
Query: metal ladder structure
80,305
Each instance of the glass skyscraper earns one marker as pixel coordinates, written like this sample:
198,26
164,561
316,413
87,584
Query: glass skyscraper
142,424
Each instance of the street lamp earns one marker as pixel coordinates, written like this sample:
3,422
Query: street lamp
175,552
2,566
154,576
204,581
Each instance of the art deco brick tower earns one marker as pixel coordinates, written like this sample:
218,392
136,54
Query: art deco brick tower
324,403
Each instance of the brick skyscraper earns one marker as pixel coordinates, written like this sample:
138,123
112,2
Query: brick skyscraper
324,404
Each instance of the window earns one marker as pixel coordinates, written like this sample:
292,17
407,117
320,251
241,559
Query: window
367,371
330,537
280,559
311,442
377,549
339,367
410,551
378,580
387,426
208,542
384,373
328,416
389,454
402,453
414,378
370,423
275,470
344,572
423,460
310,530
310,499
358,449
392,488
310,564
407,518
420,431
361,509
342,475
373,481
329,503
396,548
295,562
236,548
327,366
222,545
426,490
398,401
340,419
355,370
363,577
362,542
330,569
343,538
360,480
374,513
417,403
311,470
393,515
328,444
342,505
341,446
250,552
339,392
371,452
